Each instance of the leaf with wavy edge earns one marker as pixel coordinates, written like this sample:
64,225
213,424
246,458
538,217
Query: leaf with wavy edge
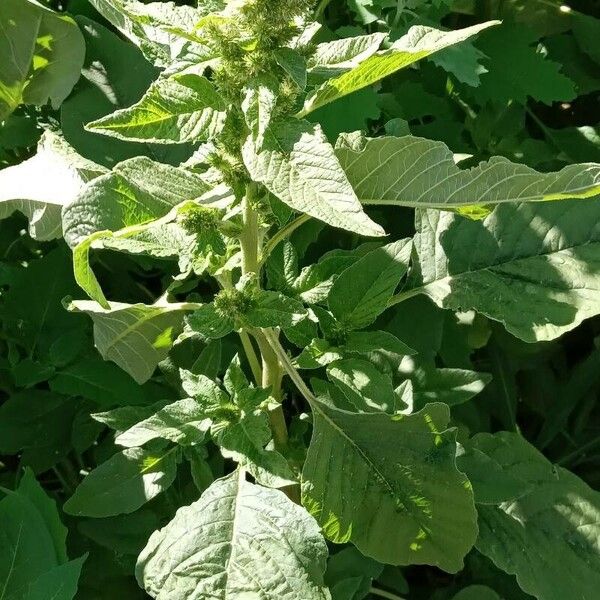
390,485
550,536
182,108
238,541
299,166
533,267
419,42
421,173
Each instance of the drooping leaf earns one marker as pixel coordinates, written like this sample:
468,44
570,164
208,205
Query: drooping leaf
179,109
238,541
123,483
136,191
135,336
298,165
548,537
42,55
421,173
541,284
404,479
419,42
40,186
361,292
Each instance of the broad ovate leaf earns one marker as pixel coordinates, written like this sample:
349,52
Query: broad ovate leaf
419,42
33,556
40,186
238,541
135,336
361,292
186,108
548,537
421,173
42,55
389,484
299,166
124,483
533,267
137,190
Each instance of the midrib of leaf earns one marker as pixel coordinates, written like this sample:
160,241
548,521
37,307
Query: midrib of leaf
12,564
297,379
405,295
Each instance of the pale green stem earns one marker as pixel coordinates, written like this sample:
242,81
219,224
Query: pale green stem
272,376
402,296
249,237
251,356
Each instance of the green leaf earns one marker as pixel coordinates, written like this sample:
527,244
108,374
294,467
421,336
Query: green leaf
186,108
299,166
511,59
123,483
331,58
420,173
84,275
548,538
365,387
492,484
125,534
135,336
183,422
43,53
34,320
477,592
99,381
361,292
239,424
404,480
208,322
377,342
418,43
162,30
541,284
37,425
124,417
349,574
273,309
451,386
33,559
40,186
238,541
138,190
293,63
260,98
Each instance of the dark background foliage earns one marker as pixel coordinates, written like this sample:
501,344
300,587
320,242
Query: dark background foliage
528,90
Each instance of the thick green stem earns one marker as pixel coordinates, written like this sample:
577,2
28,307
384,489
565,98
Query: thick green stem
383,594
249,237
251,356
272,374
